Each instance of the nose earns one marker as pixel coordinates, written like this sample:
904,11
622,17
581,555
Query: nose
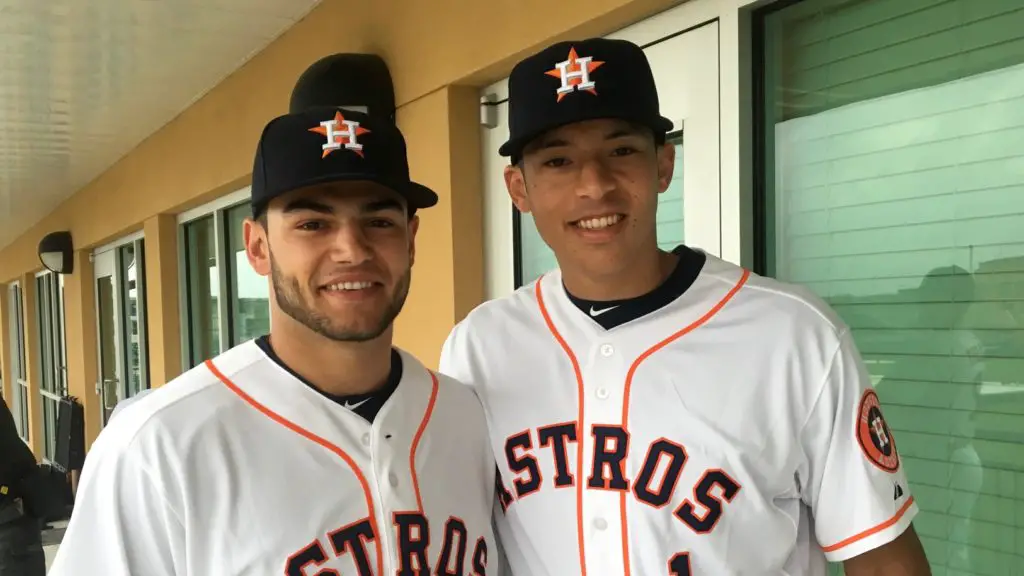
351,245
595,180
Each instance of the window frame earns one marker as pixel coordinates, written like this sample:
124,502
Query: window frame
137,241
17,370
217,209
50,293
762,240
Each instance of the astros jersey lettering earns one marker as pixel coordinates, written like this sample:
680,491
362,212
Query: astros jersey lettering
700,438
239,468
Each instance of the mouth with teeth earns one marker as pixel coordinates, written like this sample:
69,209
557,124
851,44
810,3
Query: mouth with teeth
598,222
349,287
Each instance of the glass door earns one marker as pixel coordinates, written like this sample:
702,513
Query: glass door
107,322
121,322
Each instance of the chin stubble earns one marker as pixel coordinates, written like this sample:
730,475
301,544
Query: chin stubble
290,299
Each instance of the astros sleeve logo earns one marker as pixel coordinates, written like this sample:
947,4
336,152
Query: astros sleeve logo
873,434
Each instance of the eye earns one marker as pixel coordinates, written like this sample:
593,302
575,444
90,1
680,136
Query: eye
311,226
556,162
381,223
624,151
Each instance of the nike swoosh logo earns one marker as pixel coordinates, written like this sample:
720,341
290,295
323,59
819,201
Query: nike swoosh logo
356,405
596,313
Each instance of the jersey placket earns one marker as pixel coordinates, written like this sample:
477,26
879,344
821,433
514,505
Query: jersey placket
605,447
384,482
603,367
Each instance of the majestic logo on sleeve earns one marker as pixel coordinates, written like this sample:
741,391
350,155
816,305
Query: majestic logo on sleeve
873,434
340,133
574,72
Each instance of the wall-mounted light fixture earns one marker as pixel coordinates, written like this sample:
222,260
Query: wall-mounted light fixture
360,82
57,252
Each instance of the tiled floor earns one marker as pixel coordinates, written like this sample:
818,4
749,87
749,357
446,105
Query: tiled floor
51,540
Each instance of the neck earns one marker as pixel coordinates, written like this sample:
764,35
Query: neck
642,275
338,368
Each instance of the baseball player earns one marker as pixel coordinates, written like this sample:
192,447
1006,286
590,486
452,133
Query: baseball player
321,448
661,412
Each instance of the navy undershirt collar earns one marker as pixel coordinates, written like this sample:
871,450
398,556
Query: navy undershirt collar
366,405
612,313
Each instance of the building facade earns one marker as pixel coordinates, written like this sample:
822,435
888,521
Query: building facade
872,150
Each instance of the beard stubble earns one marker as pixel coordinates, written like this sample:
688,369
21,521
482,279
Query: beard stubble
292,301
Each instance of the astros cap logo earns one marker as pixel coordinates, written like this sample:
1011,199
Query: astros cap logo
341,132
574,72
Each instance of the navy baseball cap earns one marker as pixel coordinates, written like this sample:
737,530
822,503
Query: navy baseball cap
330,144
580,80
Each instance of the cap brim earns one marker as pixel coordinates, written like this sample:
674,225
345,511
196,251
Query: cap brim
514,146
416,195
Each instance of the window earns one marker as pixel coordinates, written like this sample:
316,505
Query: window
250,292
52,354
215,263
203,283
132,273
17,370
533,257
892,184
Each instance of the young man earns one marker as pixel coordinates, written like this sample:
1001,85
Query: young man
320,449
655,412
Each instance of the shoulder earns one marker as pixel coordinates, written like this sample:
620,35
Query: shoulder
517,313
156,423
455,398
781,307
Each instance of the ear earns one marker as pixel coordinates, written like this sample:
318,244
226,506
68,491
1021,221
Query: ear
515,182
257,247
666,165
414,226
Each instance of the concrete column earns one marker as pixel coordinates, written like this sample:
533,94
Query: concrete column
443,134
80,323
164,320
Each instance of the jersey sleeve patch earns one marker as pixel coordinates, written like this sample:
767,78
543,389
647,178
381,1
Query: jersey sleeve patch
874,436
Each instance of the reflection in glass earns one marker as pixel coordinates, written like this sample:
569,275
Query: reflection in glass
203,287
133,341
250,292
895,190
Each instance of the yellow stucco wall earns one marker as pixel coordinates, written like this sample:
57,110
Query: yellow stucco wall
439,54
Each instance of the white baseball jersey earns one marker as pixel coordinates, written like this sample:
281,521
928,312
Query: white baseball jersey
239,468
733,431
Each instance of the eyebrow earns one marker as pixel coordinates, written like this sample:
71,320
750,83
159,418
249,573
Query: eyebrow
311,205
617,132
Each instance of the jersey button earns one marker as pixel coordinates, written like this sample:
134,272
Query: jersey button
607,350
600,523
602,393
366,439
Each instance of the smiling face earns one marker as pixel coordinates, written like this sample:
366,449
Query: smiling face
592,188
339,255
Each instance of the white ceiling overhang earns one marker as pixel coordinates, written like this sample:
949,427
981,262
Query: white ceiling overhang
82,82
